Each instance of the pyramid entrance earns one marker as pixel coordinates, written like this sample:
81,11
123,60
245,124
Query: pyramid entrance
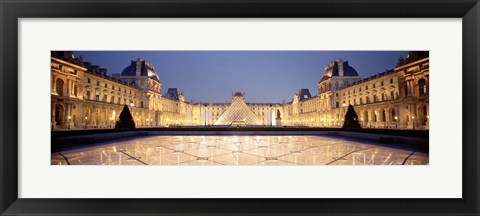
238,114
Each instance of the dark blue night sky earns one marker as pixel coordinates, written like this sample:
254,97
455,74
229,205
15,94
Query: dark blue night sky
264,76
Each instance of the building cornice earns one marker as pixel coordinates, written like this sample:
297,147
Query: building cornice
69,64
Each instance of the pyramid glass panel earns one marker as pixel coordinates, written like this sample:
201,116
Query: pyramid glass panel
238,114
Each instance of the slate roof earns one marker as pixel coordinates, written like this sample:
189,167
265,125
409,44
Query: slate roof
146,70
304,94
173,93
333,71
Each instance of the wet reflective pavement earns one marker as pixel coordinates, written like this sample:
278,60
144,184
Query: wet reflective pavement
242,150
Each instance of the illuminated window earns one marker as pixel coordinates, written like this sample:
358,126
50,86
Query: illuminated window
422,87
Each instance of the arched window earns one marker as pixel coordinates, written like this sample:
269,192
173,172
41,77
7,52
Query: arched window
59,86
382,115
75,90
393,115
424,115
112,99
392,95
422,87
405,89
383,96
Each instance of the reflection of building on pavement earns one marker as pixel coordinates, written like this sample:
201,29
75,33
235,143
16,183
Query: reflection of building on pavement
84,96
242,150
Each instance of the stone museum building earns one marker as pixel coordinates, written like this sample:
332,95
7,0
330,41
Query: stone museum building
84,96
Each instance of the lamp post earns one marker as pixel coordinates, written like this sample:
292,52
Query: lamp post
205,111
271,116
413,122
69,118
110,122
86,122
396,122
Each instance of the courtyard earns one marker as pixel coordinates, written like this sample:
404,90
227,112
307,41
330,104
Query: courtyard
242,150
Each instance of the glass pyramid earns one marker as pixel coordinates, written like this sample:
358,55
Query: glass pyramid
238,114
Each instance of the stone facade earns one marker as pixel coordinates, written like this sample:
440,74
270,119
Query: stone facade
396,98
84,96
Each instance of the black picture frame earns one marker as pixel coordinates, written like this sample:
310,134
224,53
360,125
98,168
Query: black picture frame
12,10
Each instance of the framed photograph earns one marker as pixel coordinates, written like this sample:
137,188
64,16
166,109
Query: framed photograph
255,108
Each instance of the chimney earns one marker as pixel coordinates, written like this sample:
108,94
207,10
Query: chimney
103,71
340,67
